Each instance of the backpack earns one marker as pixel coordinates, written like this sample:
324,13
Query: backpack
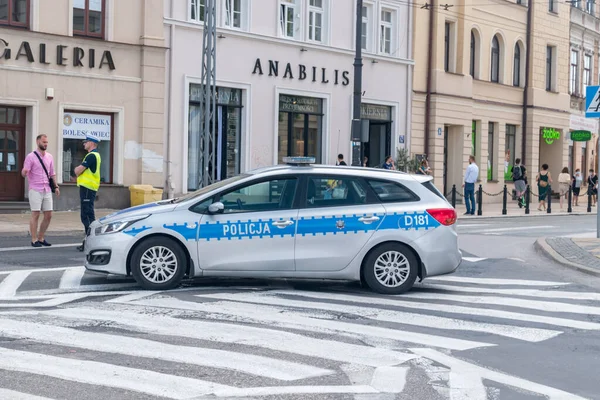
517,173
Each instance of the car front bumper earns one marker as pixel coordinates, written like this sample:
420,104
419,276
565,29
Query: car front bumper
439,251
107,253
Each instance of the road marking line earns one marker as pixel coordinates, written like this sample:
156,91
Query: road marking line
492,281
82,289
506,301
473,259
54,246
274,316
108,375
398,317
516,228
10,284
39,270
13,395
247,363
283,390
549,294
242,334
474,372
448,308
71,278
389,379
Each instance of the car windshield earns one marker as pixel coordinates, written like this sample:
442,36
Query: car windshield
209,188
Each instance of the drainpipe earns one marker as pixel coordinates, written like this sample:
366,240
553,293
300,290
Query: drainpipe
169,181
526,88
429,77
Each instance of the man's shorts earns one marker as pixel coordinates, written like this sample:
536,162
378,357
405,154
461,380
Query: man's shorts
520,186
40,201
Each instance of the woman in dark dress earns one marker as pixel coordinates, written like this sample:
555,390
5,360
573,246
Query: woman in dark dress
543,181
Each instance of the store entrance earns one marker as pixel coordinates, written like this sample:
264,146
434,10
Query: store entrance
379,143
299,128
12,153
228,133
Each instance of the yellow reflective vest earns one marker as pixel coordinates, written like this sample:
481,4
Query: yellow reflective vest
89,179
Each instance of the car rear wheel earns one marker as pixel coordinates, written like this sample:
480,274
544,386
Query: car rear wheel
391,269
158,263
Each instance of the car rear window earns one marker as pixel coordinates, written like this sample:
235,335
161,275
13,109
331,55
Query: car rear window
429,185
392,192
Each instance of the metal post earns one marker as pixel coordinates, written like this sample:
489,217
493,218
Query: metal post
479,200
569,208
207,142
504,198
454,196
549,194
597,169
589,193
527,199
357,145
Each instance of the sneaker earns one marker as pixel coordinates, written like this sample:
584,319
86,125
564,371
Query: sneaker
44,243
80,247
36,244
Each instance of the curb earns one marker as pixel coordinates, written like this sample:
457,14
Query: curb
536,215
543,247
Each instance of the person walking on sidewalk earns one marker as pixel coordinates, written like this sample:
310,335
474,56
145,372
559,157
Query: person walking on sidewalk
577,181
564,182
593,186
88,180
38,168
543,178
518,176
471,175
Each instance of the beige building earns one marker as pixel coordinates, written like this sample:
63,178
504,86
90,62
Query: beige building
68,67
471,100
583,72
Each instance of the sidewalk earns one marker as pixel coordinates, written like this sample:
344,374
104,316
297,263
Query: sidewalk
578,253
494,210
62,221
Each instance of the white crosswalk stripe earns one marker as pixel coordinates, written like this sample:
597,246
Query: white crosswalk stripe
227,342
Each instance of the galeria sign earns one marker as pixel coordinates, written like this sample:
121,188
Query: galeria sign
550,135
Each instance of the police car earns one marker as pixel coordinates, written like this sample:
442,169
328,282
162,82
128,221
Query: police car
298,220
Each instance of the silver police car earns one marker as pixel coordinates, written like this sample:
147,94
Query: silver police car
298,220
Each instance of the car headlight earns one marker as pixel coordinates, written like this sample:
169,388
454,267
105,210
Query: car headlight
118,226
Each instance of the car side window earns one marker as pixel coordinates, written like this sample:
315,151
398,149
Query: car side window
392,192
334,192
272,195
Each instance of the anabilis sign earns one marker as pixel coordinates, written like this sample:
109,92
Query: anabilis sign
59,55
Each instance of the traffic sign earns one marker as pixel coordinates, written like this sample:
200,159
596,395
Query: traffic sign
592,102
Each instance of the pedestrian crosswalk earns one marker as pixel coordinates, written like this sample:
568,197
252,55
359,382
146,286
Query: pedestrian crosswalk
256,341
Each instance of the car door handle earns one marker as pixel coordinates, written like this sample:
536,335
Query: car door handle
368,220
282,224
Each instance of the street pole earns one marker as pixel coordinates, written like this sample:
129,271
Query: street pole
597,169
356,125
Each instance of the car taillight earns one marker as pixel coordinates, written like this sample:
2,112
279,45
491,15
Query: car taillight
445,216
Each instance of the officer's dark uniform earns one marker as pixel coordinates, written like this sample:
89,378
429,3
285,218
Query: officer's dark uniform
89,183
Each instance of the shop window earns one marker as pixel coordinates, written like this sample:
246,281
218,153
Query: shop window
75,124
228,136
300,127
14,13
509,151
88,18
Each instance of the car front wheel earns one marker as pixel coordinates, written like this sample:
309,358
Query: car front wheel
158,263
391,269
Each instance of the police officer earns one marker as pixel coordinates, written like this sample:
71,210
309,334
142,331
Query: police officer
88,180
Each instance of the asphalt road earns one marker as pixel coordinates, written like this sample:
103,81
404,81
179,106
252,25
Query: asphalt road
509,324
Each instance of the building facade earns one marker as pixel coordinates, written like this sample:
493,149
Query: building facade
71,67
473,95
284,71
583,71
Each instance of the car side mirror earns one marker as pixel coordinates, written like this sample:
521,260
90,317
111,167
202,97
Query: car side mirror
216,208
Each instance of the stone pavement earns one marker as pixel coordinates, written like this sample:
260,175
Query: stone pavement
62,221
578,253
494,210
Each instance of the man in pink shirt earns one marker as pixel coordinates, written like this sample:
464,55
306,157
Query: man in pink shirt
40,193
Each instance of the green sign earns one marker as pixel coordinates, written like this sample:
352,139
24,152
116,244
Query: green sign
581,136
550,135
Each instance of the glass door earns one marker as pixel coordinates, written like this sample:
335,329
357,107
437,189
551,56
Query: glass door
12,153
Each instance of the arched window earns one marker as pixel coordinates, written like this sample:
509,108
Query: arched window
472,62
495,72
517,66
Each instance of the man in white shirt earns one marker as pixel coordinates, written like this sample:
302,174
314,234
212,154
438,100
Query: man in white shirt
471,175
